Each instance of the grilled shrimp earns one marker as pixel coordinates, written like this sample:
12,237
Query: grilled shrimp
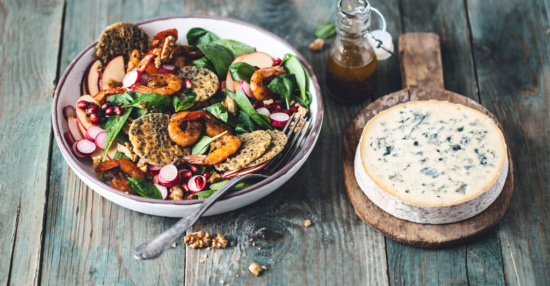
214,126
104,94
220,150
261,78
183,132
126,166
156,47
134,62
167,84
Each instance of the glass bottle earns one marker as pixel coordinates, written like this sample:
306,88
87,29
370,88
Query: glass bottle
352,63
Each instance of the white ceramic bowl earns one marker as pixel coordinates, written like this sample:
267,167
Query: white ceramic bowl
68,91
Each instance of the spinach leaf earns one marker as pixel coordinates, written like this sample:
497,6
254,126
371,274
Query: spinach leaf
121,99
237,48
204,62
144,188
241,71
203,194
122,137
119,155
220,56
326,31
197,36
218,111
244,105
184,102
237,187
201,146
245,124
113,126
151,101
293,66
284,86
217,98
137,113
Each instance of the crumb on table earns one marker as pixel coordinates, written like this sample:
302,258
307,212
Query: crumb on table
255,269
307,223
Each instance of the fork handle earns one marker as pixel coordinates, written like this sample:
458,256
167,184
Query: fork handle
158,245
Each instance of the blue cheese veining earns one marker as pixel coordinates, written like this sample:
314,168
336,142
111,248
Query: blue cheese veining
432,153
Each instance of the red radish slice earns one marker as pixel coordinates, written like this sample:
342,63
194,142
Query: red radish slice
188,84
166,68
185,175
74,129
75,151
246,88
101,139
279,119
196,184
92,132
163,191
165,183
131,78
229,175
154,170
69,138
168,175
69,111
263,111
85,147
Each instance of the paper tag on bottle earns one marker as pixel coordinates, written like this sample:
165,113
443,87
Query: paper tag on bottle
387,43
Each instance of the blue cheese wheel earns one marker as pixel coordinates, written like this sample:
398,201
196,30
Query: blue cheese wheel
431,162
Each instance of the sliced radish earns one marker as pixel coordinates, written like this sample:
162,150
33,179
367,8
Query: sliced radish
279,119
246,88
131,78
69,111
263,111
85,147
154,170
163,191
92,132
68,137
74,129
75,151
185,175
196,184
101,139
166,68
168,175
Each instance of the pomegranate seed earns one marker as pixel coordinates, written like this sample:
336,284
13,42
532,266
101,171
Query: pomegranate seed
277,61
185,187
94,118
186,175
93,108
106,105
274,107
288,112
118,110
195,169
258,104
188,84
189,198
82,104
109,111
200,183
294,109
277,102
207,175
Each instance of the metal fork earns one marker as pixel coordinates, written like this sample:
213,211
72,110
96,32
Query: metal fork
296,135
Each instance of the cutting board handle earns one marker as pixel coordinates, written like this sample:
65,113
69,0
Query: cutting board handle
420,58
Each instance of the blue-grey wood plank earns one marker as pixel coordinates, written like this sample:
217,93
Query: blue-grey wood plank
29,47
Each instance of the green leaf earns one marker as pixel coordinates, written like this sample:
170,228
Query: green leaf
218,111
151,101
220,56
202,146
326,31
293,66
119,155
245,124
197,36
112,126
204,62
144,188
237,48
184,102
237,187
284,86
203,194
122,137
121,99
244,105
217,98
241,71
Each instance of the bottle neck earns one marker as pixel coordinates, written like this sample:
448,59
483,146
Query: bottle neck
353,21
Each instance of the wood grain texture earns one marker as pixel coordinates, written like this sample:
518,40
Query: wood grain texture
28,61
88,239
420,57
511,49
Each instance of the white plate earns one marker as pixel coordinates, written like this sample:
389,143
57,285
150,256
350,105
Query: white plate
68,91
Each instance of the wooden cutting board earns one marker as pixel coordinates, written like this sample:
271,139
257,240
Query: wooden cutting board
422,73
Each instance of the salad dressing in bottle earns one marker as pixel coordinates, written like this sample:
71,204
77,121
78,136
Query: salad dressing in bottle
352,63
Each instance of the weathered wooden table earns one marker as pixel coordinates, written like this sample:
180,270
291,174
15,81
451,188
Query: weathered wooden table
55,230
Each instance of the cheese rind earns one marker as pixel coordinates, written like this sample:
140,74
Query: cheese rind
431,161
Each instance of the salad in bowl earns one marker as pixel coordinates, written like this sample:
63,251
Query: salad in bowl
171,116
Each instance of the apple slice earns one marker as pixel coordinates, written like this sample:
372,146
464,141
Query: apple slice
229,79
81,113
92,78
256,59
74,128
84,84
113,73
81,129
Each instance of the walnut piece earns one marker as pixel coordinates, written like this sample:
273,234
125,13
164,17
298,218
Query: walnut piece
142,165
219,241
176,193
317,45
307,223
268,102
95,161
215,178
230,105
128,150
255,268
302,112
198,239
